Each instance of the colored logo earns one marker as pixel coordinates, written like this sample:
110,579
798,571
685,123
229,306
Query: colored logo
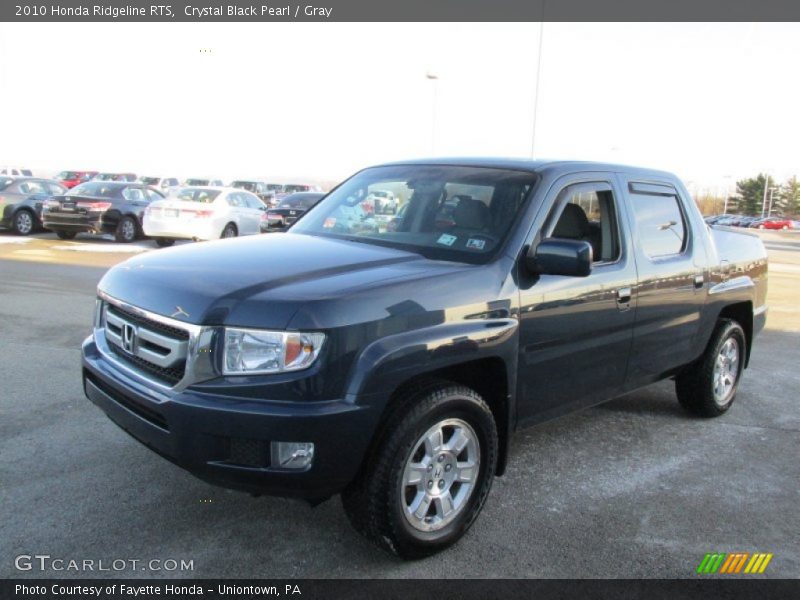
733,563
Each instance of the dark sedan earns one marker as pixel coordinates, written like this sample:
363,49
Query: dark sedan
21,200
100,207
288,211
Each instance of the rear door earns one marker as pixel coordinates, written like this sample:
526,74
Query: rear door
671,280
576,332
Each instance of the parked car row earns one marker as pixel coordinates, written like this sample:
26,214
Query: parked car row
753,222
151,207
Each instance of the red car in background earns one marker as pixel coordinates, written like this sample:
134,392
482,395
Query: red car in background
776,223
72,178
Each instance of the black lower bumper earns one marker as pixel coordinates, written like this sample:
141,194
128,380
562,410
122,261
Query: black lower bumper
226,441
77,223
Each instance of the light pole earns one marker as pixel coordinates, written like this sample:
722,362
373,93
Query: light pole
771,193
764,200
727,192
536,92
435,79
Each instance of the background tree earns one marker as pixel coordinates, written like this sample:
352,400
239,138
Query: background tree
750,194
789,197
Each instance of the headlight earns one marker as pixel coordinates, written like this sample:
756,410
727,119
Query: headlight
254,351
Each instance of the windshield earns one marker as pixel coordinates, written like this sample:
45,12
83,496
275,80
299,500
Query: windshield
5,182
250,186
94,189
444,212
195,195
291,188
197,182
149,180
67,175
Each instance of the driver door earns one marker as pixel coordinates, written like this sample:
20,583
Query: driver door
576,332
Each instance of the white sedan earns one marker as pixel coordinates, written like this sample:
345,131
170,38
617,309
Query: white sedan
203,213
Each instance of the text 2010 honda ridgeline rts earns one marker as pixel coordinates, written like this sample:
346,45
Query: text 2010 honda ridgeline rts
390,358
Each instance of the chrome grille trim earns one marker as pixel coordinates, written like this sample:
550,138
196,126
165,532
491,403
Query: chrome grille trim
174,351
196,352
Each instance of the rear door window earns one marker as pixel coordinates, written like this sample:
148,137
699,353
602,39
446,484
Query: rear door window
660,222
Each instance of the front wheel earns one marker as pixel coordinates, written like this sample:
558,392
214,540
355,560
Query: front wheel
24,222
428,478
708,387
162,242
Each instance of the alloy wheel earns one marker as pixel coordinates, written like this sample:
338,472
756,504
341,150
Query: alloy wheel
440,475
726,371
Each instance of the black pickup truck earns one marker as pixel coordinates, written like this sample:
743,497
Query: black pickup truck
393,364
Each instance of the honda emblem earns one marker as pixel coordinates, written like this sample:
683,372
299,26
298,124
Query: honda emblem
128,338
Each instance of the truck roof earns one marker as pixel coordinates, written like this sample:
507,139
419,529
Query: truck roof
527,164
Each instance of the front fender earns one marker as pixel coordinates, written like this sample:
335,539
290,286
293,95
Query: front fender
388,362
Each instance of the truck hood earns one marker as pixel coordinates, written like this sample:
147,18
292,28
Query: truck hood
263,281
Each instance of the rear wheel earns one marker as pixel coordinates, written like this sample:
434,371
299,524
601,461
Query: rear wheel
24,222
429,477
126,230
708,387
164,242
229,231
66,235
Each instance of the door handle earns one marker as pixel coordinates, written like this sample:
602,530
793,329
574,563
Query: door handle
624,295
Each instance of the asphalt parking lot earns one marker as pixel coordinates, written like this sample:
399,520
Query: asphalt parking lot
633,488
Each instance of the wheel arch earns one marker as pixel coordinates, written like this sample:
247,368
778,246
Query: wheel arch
742,313
487,376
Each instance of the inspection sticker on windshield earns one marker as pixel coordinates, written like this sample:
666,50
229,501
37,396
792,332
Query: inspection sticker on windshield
476,244
329,223
446,239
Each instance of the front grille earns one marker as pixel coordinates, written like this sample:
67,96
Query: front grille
166,375
156,348
178,334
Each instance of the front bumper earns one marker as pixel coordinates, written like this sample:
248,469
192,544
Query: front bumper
226,440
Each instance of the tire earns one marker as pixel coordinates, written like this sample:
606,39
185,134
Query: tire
380,502
229,231
66,235
24,222
126,231
162,242
708,388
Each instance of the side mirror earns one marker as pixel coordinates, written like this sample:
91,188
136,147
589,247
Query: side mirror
557,256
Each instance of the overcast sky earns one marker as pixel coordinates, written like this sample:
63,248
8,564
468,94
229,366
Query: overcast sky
324,99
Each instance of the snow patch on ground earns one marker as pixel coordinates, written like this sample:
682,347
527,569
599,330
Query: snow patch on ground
103,248
14,240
